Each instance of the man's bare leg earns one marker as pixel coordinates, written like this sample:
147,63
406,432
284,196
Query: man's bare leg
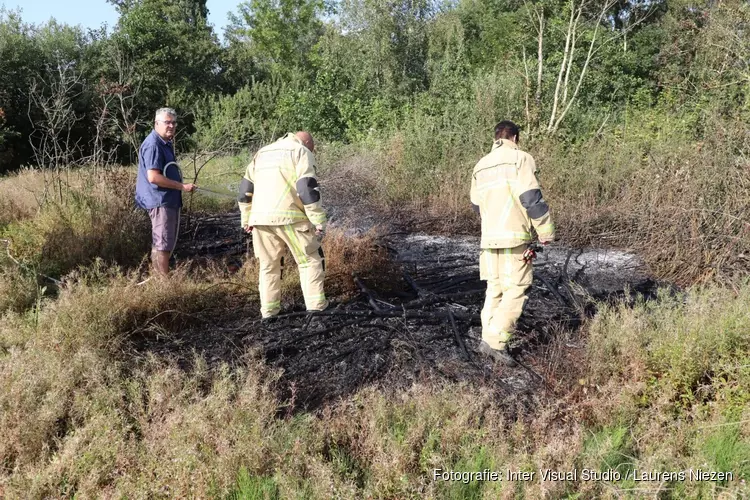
160,262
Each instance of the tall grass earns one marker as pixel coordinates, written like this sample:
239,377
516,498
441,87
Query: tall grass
661,386
678,203
21,196
643,184
96,218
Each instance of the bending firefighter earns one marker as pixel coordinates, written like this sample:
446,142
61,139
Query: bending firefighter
280,204
506,194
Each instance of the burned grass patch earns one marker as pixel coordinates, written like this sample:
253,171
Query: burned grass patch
406,310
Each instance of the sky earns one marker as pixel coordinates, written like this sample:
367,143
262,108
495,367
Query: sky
93,13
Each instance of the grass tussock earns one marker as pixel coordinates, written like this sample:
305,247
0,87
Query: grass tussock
19,287
356,255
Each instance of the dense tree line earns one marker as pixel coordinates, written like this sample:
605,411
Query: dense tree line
349,69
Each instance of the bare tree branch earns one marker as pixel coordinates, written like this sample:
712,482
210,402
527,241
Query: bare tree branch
563,63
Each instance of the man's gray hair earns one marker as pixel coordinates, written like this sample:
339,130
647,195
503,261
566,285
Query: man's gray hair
165,111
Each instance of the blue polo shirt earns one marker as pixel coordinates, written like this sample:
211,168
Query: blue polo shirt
155,153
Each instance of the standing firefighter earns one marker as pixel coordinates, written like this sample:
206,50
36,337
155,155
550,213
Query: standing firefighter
280,204
506,194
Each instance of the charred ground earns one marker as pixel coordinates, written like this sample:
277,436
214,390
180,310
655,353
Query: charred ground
423,327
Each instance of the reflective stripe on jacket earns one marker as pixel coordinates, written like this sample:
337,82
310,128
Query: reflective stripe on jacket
505,188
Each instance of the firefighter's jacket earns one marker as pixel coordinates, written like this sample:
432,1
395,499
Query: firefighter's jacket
506,192
280,186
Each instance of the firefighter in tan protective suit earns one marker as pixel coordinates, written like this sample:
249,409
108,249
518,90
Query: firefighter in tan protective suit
506,194
280,204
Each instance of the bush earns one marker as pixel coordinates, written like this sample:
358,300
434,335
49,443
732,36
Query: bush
18,286
245,118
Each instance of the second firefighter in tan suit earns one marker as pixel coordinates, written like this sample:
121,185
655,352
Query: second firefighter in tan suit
280,203
506,193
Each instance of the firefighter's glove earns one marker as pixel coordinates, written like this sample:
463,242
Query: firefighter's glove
248,229
528,255
320,231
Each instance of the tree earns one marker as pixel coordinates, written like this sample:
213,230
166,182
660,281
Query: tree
391,41
275,35
589,27
29,56
20,58
174,52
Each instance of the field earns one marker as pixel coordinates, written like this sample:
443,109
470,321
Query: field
174,389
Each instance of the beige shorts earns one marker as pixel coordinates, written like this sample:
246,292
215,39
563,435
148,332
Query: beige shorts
165,226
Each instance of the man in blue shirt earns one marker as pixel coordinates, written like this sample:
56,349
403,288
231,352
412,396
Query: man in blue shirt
159,188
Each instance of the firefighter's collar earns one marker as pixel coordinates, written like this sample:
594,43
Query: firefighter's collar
290,136
293,137
506,143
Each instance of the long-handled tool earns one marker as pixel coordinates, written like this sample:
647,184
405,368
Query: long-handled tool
216,192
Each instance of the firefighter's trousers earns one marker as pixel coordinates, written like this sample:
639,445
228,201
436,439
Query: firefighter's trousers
508,277
269,244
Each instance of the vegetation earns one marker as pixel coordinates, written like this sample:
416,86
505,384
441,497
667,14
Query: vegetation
662,386
636,113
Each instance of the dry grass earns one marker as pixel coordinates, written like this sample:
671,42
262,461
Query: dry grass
360,255
680,206
52,236
24,193
100,306
62,366
94,219
79,419
20,195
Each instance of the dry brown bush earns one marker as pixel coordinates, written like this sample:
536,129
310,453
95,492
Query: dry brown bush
346,255
360,255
